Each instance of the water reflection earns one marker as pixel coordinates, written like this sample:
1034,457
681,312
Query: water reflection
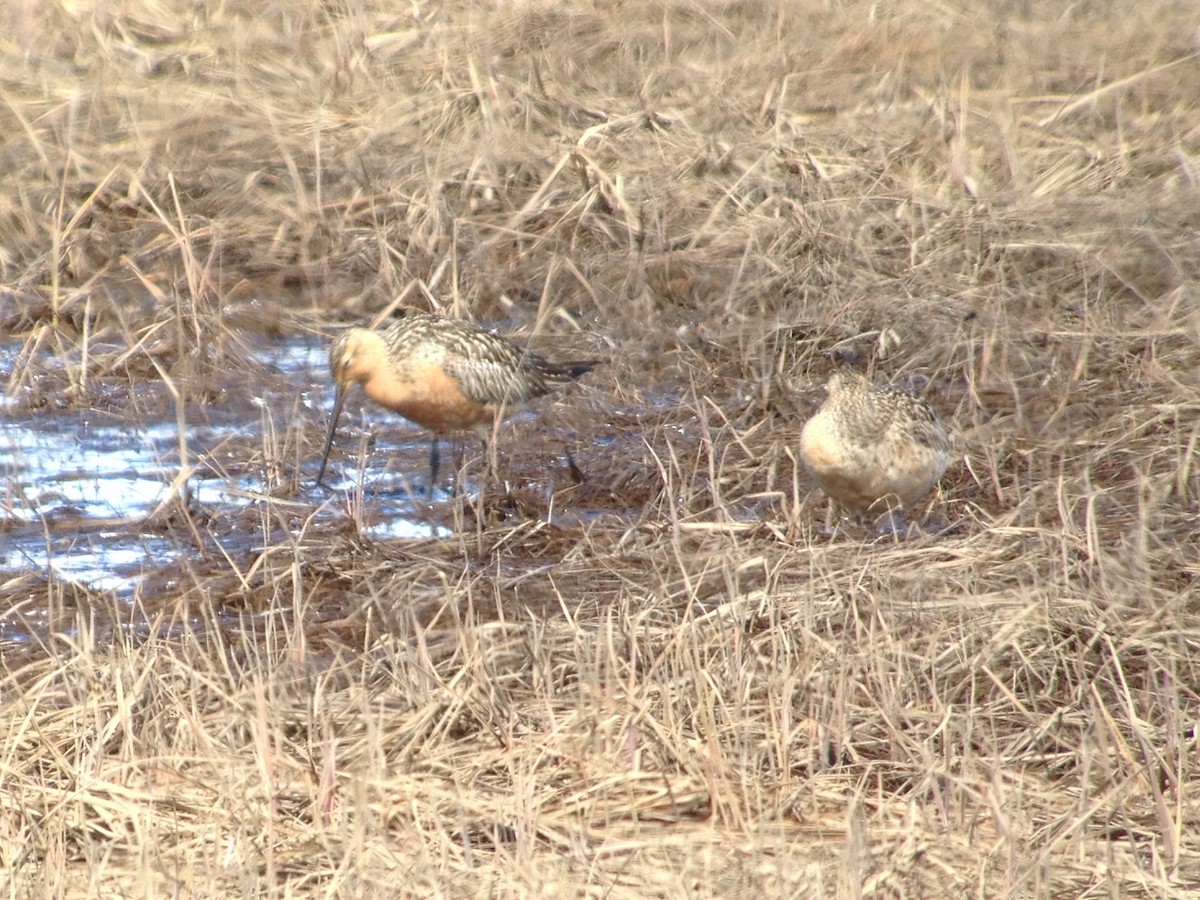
73,489
90,472
103,561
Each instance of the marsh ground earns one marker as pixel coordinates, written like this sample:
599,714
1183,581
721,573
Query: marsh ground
672,679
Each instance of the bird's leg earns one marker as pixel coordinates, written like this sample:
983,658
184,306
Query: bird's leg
576,474
435,460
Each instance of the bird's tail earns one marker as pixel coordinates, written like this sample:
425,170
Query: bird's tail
561,373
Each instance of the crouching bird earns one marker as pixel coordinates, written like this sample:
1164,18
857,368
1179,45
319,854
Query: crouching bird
874,444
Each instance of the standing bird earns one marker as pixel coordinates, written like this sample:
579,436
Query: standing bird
869,443
444,374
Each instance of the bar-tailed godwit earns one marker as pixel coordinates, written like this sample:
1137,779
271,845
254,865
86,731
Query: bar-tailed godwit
444,374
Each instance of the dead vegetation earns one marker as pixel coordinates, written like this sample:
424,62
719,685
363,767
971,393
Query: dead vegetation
670,680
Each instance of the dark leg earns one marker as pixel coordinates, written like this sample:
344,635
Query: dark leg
435,460
576,475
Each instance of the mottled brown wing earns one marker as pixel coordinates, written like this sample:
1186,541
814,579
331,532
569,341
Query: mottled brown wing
490,369
916,416
493,371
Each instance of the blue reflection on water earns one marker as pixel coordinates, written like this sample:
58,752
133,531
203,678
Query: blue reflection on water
73,485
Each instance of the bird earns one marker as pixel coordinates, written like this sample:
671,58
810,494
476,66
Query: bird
442,373
870,444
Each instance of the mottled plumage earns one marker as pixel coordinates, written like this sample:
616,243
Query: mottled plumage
868,444
441,373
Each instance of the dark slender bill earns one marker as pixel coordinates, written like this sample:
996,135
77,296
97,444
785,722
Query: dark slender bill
338,400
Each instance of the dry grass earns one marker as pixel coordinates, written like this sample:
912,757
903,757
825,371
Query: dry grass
671,680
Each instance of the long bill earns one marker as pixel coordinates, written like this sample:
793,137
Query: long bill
338,400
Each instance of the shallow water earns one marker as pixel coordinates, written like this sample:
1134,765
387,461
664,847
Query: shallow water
74,484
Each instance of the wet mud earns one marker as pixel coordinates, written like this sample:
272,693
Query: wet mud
133,499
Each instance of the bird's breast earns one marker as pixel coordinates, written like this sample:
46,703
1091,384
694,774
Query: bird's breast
426,394
820,449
